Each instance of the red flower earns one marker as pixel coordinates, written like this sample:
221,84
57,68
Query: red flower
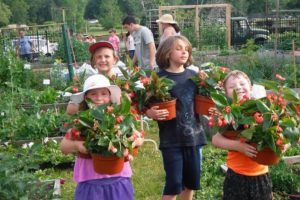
144,80
110,109
75,90
75,133
119,118
67,135
62,181
66,124
246,126
227,109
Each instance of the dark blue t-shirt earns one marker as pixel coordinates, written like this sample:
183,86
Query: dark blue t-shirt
185,129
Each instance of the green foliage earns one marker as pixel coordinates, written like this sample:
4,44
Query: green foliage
107,129
284,179
11,70
5,14
80,51
109,14
16,181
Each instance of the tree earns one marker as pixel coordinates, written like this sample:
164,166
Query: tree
110,14
4,14
19,10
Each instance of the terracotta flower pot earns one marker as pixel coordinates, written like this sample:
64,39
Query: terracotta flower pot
202,104
266,156
107,164
233,135
170,106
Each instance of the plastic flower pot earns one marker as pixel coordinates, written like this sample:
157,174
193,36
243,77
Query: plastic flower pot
266,156
202,104
107,164
170,106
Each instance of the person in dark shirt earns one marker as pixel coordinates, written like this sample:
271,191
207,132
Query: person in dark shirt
182,138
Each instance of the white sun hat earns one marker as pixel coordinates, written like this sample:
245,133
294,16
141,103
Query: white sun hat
167,19
94,82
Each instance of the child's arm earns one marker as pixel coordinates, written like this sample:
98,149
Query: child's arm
72,108
220,141
72,146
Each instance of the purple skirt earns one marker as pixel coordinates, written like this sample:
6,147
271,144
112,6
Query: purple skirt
105,189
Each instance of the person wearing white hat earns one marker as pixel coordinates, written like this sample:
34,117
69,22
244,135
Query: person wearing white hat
103,58
169,27
97,88
90,184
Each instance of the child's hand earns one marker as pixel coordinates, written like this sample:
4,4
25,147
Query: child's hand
247,149
214,111
80,147
157,114
202,75
138,142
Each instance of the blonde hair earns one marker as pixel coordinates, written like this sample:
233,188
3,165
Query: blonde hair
163,51
235,73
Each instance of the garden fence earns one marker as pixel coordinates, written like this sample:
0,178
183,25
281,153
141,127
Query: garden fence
44,37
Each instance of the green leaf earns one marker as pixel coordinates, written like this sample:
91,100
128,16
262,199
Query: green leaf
219,99
248,133
262,107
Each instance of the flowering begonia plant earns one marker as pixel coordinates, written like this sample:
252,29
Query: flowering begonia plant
272,121
214,81
108,129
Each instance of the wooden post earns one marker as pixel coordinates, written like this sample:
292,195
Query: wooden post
294,61
197,22
228,25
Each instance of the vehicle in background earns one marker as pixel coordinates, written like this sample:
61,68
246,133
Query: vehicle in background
241,31
40,46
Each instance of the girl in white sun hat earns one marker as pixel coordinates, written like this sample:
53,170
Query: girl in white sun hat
90,184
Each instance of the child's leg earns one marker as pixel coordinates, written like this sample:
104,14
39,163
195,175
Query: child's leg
186,194
173,166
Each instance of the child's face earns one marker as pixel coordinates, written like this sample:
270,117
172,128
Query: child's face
104,59
238,83
179,53
98,96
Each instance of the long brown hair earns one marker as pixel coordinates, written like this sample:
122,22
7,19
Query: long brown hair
163,51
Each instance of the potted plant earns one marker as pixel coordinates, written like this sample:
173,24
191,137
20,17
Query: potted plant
268,123
212,83
109,132
155,91
146,89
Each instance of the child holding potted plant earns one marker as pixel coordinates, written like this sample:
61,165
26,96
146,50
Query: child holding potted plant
245,178
92,185
103,58
181,138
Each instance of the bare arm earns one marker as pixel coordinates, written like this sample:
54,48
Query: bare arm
72,108
72,146
152,51
220,141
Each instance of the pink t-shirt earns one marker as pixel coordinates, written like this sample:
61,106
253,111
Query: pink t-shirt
84,170
115,41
